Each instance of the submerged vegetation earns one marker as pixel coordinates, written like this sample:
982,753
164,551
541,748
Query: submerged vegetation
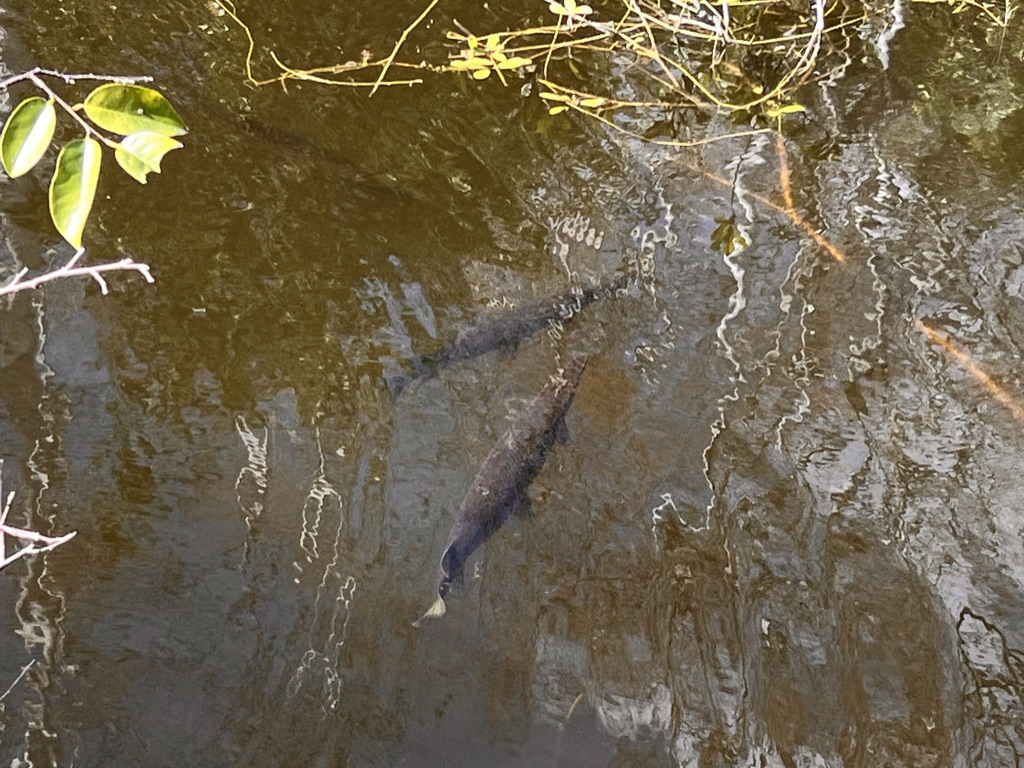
653,69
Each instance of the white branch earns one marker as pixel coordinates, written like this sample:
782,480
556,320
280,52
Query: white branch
10,688
37,539
70,270
48,543
71,79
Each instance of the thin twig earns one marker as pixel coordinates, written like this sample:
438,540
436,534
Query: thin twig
72,79
394,51
70,270
17,679
311,76
790,210
229,9
662,142
3,516
967,362
49,542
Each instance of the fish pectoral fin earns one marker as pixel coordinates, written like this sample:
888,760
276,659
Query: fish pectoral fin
397,383
562,430
436,611
522,507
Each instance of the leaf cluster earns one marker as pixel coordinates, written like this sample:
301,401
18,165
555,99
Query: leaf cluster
141,116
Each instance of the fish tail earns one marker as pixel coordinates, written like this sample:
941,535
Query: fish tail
435,611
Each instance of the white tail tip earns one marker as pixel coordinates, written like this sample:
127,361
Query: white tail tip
435,611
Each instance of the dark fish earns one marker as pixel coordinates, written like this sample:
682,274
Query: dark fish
506,330
501,485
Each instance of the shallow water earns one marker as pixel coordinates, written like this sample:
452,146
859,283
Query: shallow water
785,531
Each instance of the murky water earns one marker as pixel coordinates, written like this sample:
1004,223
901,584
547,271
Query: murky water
786,529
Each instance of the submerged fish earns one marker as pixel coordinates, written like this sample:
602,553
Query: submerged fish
506,329
500,487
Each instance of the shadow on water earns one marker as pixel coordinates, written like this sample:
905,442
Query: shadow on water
784,531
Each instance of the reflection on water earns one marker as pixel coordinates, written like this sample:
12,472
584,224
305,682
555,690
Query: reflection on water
785,531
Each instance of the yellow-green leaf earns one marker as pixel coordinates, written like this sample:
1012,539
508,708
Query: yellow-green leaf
26,135
127,109
557,109
558,8
553,97
514,63
481,74
787,109
73,187
592,102
140,154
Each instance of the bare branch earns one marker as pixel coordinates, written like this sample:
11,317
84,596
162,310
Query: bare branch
40,543
71,79
70,270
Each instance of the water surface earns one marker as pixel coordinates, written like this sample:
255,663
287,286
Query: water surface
785,531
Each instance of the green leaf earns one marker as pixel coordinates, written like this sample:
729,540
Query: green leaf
140,154
129,109
788,109
26,135
727,237
73,187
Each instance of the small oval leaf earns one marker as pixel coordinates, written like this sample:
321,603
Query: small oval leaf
515,63
140,154
127,109
73,187
26,135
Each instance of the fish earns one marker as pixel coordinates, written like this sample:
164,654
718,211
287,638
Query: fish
506,329
501,486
